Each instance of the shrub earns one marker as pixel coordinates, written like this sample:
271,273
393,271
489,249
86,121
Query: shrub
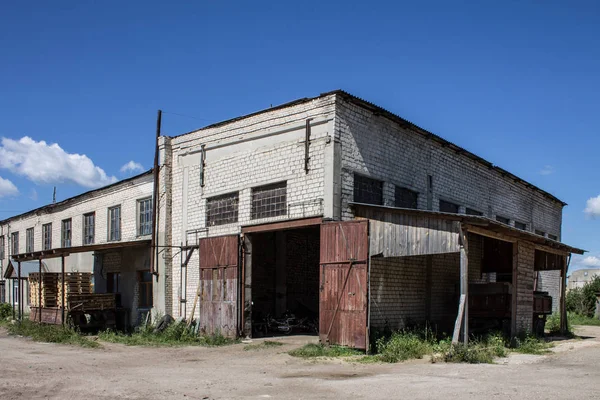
583,300
531,345
5,311
403,345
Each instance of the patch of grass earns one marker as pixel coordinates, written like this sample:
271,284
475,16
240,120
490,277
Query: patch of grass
5,311
479,351
50,333
578,319
176,334
531,345
264,345
401,346
318,350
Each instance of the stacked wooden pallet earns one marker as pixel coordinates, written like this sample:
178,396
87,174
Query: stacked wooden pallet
91,302
49,288
75,283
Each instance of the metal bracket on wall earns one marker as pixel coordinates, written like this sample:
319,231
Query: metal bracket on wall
307,145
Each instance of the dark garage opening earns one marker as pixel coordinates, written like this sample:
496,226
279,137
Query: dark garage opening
285,282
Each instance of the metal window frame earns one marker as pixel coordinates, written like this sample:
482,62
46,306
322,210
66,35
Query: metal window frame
86,228
406,190
111,225
450,203
218,220
257,211
356,190
148,220
63,232
14,250
47,229
30,240
524,225
2,244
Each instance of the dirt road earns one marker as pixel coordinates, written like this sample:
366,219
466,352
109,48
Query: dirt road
35,370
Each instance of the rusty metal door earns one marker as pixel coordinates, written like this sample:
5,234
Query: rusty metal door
343,283
219,285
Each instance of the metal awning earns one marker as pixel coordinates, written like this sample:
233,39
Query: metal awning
473,223
65,251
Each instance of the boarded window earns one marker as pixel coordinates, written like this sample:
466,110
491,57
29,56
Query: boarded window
46,236
269,200
14,239
145,292
29,238
541,233
89,228
520,225
221,210
65,236
112,282
405,198
144,217
544,261
368,190
553,237
504,220
470,211
114,223
446,206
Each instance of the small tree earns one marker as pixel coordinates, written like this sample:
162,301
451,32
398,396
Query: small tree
583,300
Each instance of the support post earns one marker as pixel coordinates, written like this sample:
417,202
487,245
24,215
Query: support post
20,304
40,292
515,281
462,318
62,294
563,305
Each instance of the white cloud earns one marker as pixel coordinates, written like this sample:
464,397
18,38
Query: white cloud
592,208
547,170
49,163
132,167
7,188
590,261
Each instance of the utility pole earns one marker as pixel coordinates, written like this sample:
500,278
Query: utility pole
153,246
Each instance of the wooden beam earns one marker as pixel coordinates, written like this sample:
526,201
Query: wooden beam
464,282
277,226
459,319
551,250
491,234
563,305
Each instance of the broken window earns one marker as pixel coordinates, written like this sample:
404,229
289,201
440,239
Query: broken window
221,210
470,211
1,247
405,198
145,289
541,233
46,236
65,236
520,225
29,240
14,238
504,220
114,223
553,237
145,217
89,228
269,200
368,190
446,206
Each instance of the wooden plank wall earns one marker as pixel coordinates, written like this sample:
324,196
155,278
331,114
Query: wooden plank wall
398,235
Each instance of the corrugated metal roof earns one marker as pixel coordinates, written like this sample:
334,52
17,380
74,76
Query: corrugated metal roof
479,221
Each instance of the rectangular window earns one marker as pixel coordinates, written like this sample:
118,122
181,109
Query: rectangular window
114,223
221,210
520,225
29,238
14,239
448,207
368,190
553,237
66,233
144,217
145,286
504,220
112,282
470,211
2,247
46,236
269,200
89,228
405,198
541,233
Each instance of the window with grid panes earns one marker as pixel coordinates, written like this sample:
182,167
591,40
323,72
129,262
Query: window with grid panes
470,211
29,238
14,243
221,210
520,225
446,206
269,200
114,223
504,220
145,217
46,236
65,233
2,244
89,228
368,190
405,198
145,292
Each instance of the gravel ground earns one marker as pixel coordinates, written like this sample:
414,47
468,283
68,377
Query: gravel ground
38,370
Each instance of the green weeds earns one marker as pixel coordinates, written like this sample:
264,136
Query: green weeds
50,333
263,345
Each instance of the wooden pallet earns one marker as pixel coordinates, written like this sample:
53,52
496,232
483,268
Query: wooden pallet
52,287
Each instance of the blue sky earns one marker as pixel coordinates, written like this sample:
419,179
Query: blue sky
516,82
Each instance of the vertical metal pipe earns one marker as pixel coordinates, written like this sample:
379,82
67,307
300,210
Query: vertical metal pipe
62,295
153,247
40,292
